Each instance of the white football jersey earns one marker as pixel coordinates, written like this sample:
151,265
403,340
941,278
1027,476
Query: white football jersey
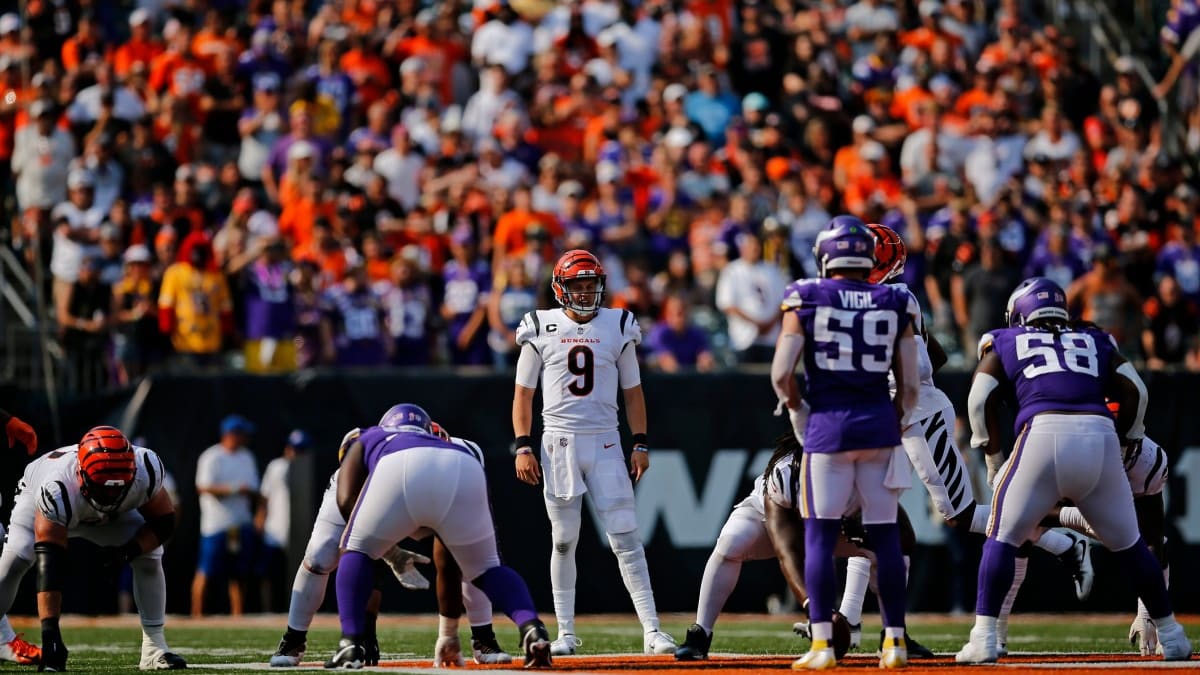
54,480
579,366
783,484
931,400
1146,467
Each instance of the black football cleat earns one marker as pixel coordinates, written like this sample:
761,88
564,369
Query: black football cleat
695,645
916,650
535,642
291,650
160,660
371,650
349,655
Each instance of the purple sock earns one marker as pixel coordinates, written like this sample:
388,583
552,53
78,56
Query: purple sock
1140,564
355,581
996,572
508,592
885,541
820,575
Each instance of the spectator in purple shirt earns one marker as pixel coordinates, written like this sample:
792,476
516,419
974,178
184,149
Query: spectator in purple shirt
270,312
675,344
1055,260
464,306
354,324
1180,258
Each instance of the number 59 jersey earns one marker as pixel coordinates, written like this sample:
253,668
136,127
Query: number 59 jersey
851,333
580,366
1065,371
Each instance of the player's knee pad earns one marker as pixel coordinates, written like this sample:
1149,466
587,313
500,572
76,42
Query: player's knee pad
734,544
322,559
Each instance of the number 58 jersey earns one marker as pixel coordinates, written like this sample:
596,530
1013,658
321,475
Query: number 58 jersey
581,364
1049,370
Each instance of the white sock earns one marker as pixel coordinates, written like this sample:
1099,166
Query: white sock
1022,566
564,611
858,577
6,632
563,575
985,627
308,592
150,596
979,519
631,558
822,630
892,632
1054,542
720,576
479,608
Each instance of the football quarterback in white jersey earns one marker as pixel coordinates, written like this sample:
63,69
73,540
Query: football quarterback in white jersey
583,354
111,493
321,558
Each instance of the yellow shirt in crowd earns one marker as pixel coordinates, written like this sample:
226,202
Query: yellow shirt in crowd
198,298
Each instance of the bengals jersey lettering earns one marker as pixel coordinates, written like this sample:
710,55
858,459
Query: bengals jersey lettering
55,477
580,366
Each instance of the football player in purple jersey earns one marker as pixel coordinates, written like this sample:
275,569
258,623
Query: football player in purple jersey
848,335
1067,447
424,484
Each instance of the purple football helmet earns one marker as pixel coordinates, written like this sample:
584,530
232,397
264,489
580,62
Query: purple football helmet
847,243
406,415
1036,298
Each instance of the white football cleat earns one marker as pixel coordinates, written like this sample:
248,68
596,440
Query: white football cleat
658,642
19,651
820,657
154,658
1173,643
855,636
565,645
980,648
1144,636
1078,560
1002,649
489,651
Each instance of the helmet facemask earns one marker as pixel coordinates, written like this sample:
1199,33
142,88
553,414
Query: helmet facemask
104,497
582,293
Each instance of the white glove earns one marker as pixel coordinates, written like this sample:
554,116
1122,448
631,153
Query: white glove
447,653
404,566
995,462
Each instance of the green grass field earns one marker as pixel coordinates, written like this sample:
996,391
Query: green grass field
109,646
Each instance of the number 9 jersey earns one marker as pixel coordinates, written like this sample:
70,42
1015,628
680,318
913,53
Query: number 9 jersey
1054,371
581,366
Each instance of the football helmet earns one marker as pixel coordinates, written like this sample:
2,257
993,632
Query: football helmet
406,415
846,243
890,254
575,266
106,468
1036,299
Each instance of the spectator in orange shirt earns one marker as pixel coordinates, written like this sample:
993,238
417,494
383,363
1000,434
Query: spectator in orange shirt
85,48
377,258
982,94
509,237
874,188
212,39
428,42
847,163
298,218
367,69
142,46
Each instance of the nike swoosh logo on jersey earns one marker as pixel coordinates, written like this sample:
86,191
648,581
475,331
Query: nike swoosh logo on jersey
608,445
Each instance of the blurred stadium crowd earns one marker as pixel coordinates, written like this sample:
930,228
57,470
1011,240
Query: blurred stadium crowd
277,184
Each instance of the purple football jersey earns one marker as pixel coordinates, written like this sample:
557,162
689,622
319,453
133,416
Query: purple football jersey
378,443
1055,372
851,330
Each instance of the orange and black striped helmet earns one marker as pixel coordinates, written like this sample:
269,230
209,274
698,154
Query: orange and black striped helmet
106,468
890,254
576,265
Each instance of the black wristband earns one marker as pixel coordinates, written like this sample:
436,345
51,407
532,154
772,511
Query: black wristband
51,564
640,439
522,442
